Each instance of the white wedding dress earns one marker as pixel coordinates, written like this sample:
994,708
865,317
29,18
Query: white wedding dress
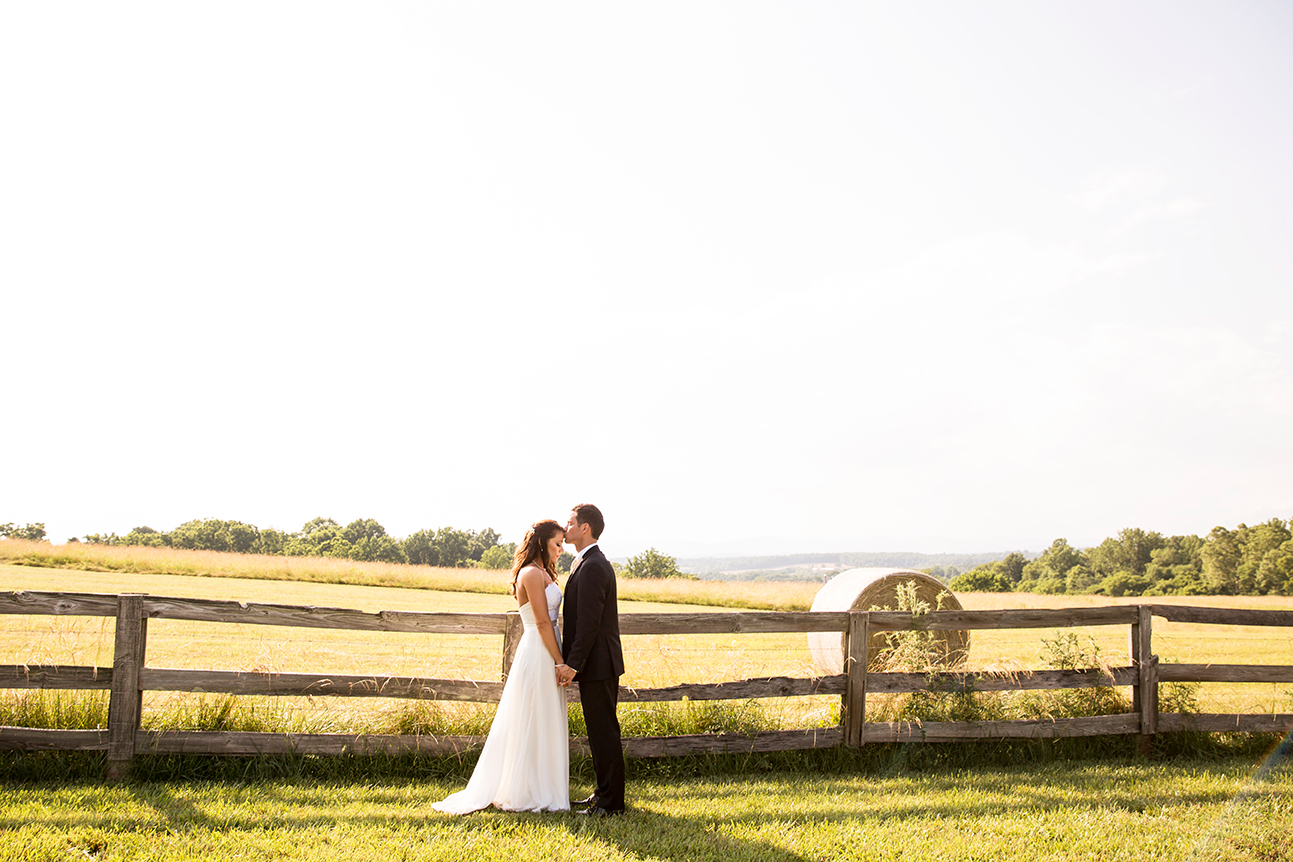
525,764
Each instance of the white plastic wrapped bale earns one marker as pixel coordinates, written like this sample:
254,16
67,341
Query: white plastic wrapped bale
870,588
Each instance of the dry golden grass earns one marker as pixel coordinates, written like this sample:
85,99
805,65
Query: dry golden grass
331,570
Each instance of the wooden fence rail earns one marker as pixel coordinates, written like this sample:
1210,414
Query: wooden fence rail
129,677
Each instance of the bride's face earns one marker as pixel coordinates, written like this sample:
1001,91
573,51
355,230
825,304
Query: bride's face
554,548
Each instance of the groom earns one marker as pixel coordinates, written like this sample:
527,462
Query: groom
591,648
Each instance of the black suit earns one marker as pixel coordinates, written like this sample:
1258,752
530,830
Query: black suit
591,645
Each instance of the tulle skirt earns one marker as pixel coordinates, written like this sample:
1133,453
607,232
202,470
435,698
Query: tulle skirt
525,764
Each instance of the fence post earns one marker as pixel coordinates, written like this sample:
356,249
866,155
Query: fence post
125,699
512,631
855,661
1145,700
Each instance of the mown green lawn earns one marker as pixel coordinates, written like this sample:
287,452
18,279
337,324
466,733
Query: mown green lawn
1208,810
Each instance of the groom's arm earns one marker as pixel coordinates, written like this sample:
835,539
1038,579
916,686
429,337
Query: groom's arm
591,601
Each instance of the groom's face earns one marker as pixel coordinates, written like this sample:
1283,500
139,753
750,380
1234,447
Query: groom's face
573,528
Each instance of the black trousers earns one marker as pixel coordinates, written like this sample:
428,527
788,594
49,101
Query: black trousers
599,698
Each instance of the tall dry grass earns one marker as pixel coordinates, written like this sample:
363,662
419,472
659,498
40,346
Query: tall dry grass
332,570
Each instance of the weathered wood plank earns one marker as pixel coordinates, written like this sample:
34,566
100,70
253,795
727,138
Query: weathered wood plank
55,677
726,743
1223,616
744,689
58,604
125,697
1025,618
1144,699
315,684
1225,673
37,739
855,668
952,731
210,610
306,616
963,681
252,744
1169,722
343,685
749,622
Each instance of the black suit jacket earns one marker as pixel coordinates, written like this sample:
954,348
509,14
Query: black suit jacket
591,636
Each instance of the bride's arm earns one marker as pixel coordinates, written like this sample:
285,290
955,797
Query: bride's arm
532,587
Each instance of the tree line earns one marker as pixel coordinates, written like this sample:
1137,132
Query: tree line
362,539
1244,561
1248,561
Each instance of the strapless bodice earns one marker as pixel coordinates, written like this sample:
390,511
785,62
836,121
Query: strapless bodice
553,595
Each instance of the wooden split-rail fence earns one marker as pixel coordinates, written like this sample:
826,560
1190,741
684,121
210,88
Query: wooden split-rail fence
130,676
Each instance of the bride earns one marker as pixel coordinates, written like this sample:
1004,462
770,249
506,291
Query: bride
525,764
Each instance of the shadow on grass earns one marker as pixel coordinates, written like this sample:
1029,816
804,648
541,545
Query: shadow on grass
671,816
702,809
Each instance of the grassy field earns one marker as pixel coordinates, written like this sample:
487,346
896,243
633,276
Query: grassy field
883,805
1224,810
330,570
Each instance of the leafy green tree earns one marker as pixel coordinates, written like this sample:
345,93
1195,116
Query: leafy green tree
447,547
213,534
147,537
320,537
1260,543
652,564
480,541
566,560
1178,580
382,549
1123,584
1051,585
981,579
1275,575
419,548
364,528
1264,538
30,532
1079,580
497,557
1176,568
1130,552
454,546
316,524
271,542
1061,556
1012,567
1222,555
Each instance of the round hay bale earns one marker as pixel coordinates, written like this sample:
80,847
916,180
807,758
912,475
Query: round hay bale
865,589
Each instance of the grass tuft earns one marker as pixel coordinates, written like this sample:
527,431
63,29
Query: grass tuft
54,710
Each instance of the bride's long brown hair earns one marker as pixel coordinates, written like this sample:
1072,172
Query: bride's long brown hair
533,550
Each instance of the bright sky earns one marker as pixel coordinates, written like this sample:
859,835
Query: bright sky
752,277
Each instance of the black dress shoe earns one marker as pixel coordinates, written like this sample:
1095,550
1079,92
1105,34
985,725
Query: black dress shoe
591,800
599,811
